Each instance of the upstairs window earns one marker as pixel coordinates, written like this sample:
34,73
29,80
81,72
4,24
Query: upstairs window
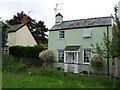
61,34
87,32
87,55
60,55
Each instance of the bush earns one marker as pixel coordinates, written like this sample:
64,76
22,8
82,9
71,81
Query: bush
7,60
46,55
96,61
30,62
28,51
9,64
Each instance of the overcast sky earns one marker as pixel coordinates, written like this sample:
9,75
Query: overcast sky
44,9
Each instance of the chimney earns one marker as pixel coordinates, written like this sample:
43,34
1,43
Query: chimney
59,19
24,19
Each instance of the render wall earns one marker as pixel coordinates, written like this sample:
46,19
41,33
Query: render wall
75,37
22,37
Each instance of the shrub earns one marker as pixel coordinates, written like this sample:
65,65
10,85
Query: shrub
26,51
46,55
9,64
7,60
96,61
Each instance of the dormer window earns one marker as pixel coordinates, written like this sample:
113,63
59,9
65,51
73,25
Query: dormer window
61,34
87,32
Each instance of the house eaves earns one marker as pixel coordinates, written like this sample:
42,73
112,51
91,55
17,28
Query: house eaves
83,23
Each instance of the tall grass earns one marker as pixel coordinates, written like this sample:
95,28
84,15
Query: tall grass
19,75
10,65
51,78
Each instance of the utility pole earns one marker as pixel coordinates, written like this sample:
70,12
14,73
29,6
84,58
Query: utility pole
108,52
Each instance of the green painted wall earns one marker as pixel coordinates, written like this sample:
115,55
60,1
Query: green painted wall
75,37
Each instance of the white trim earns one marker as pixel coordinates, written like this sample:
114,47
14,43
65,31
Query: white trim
57,55
64,56
77,57
73,45
72,51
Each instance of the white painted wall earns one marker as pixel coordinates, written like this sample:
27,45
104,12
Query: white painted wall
11,39
58,20
21,37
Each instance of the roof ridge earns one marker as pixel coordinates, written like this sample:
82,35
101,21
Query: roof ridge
88,18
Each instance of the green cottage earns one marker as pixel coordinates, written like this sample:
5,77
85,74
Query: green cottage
71,42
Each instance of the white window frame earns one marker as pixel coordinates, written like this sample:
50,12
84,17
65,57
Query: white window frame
87,32
59,54
87,55
63,34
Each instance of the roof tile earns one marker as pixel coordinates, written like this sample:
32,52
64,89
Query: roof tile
82,23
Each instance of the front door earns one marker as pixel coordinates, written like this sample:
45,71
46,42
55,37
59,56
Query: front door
71,59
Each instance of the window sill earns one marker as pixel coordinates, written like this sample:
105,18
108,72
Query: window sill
86,63
61,38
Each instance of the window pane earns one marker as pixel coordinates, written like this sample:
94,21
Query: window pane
87,55
60,55
61,34
87,32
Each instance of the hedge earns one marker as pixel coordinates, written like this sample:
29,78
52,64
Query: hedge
26,51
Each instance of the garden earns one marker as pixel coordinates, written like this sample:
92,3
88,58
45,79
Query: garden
21,73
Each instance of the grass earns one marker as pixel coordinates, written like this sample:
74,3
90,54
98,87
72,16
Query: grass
19,75
50,78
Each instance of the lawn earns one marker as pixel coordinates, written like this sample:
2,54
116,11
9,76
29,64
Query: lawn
49,78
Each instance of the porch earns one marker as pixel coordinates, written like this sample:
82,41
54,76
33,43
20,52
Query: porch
71,59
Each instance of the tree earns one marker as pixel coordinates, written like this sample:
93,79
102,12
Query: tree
5,27
115,49
110,49
37,29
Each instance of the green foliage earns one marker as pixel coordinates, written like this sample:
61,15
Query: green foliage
20,67
111,48
46,55
47,71
97,49
96,61
7,60
29,51
5,28
41,78
115,50
10,65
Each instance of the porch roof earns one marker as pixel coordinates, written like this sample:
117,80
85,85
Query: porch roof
72,48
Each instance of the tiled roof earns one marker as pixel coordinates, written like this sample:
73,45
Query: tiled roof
82,23
14,28
72,48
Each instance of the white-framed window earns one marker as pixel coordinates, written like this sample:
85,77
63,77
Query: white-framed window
87,32
61,34
87,55
60,55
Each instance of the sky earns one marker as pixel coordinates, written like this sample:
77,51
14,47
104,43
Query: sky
70,9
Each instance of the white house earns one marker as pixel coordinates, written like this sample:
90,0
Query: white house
20,35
